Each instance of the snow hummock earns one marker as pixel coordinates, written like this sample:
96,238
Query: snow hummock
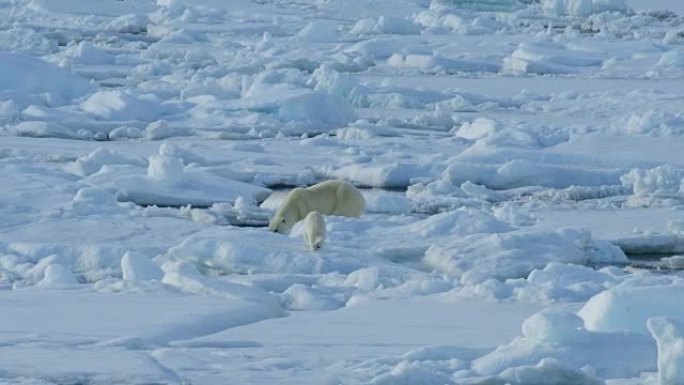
122,106
138,267
560,334
57,275
514,254
318,32
661,182
28,75
629,305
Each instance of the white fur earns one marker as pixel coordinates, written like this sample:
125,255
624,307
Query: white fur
333,197
314,230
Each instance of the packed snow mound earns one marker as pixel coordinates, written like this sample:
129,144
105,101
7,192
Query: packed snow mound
551,58
476,5
560,281
669,335
628,306
439,20
185,277
316,108
394,175
379,201
87,53
120,105
167,181
407,372
161,129
318,32
295,105
94,161
26,40
29,75
57,275
516,253
553,326
38,129
138,267
385,25
584,7
650,123
660,182
244,251
165,168
548,372
94,201
135,23
460,221
555,282
479,128
559,334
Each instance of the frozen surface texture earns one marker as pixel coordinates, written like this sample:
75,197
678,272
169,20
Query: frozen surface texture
520,162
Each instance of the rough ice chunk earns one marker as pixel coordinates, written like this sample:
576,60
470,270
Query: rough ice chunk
139,267
559,334
319,32
662,181
58,275
165,168
584,7
669,336
549,371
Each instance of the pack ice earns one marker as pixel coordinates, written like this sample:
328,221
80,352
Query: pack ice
520,162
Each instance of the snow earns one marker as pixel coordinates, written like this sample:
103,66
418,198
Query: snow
656,5
520,162
668,335
318,32
562,337
548,371
515,254
57,275
660,182
584,7
629,305
121,106
137,267
362,348
25,76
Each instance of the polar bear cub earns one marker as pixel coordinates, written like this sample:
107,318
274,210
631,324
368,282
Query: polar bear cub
333,197
314,230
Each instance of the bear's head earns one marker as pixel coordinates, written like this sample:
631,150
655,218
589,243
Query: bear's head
282,222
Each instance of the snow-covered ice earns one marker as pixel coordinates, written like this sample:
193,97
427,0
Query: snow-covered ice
520,162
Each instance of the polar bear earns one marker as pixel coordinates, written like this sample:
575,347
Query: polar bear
333,197
314,230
